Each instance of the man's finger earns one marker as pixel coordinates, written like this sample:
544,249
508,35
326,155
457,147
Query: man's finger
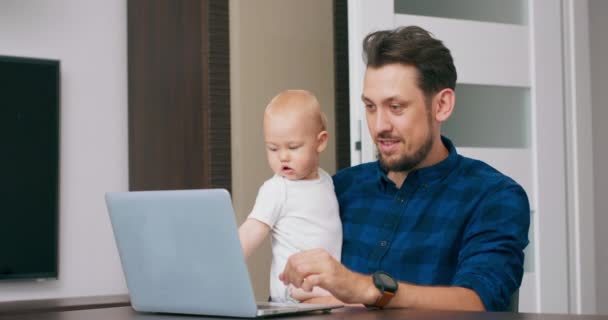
310,282
293,275
305,264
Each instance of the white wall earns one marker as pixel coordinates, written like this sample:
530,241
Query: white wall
89,37
598,9
274,45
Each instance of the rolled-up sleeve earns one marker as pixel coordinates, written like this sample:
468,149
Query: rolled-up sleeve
491,258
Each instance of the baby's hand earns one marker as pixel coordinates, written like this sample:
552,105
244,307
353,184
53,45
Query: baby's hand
301,295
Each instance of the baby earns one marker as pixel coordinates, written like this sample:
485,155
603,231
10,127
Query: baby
297,206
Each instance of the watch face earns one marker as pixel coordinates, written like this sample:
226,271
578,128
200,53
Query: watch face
385,282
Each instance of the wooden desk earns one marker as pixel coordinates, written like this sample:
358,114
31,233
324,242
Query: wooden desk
127,313
65,304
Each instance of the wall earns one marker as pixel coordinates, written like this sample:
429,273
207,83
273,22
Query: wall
89,37
275,45
599,82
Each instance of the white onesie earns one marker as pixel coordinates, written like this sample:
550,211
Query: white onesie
303,215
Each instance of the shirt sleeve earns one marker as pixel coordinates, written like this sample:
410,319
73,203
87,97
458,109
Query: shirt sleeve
269,202
491,258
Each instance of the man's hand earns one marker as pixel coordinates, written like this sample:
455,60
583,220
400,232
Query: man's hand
317,268
323,300
302,296
308,269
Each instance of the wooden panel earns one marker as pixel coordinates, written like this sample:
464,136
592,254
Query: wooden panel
342,114
218,105
174,129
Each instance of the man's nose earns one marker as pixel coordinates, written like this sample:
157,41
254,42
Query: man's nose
382,121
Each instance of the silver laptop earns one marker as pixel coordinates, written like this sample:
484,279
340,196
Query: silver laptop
180,253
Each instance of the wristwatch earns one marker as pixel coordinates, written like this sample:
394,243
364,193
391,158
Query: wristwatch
388,288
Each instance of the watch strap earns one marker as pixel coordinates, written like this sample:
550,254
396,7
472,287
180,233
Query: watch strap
387,285
384,299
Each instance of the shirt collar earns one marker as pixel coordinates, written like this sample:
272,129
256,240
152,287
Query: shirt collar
425,175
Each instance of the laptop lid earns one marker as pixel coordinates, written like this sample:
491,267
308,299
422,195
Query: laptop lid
180,252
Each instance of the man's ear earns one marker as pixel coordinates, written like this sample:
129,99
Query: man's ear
443,104
322,138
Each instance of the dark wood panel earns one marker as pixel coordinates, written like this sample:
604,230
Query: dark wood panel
218,103
64,304
172,114
342,106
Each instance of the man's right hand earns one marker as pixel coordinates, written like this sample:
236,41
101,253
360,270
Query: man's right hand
325,300
317,268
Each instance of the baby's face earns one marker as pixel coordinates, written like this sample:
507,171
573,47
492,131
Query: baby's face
292,147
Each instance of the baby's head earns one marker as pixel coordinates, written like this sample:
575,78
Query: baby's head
295,134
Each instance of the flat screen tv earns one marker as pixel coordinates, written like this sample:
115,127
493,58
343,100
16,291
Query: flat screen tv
29,167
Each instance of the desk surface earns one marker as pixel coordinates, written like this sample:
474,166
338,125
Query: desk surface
63,304
127,313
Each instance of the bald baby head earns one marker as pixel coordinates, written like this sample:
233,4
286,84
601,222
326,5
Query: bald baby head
295,134
297,104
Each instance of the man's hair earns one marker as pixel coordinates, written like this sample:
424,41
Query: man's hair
416,47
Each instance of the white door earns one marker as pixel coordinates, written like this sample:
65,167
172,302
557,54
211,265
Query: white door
509,110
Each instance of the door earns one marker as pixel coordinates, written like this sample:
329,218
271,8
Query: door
509,110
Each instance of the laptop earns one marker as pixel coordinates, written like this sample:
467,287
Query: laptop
180,253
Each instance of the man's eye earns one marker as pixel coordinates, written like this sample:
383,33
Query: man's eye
294,147
370,107
395,107
272,149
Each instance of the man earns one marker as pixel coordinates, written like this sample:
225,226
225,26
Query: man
423,227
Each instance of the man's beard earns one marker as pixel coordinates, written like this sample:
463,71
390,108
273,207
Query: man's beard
408,162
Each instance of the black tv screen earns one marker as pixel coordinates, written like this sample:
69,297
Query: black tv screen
29,166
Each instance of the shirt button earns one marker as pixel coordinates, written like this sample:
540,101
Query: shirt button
383,243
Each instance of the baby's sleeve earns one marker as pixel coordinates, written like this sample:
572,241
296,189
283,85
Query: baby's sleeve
269,202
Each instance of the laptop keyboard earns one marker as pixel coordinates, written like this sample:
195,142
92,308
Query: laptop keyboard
274,305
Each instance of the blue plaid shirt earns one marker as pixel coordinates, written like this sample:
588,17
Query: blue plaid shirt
457,223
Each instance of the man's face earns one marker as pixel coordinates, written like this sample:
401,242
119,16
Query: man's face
398,119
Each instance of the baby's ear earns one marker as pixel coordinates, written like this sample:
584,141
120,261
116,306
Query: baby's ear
322,138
